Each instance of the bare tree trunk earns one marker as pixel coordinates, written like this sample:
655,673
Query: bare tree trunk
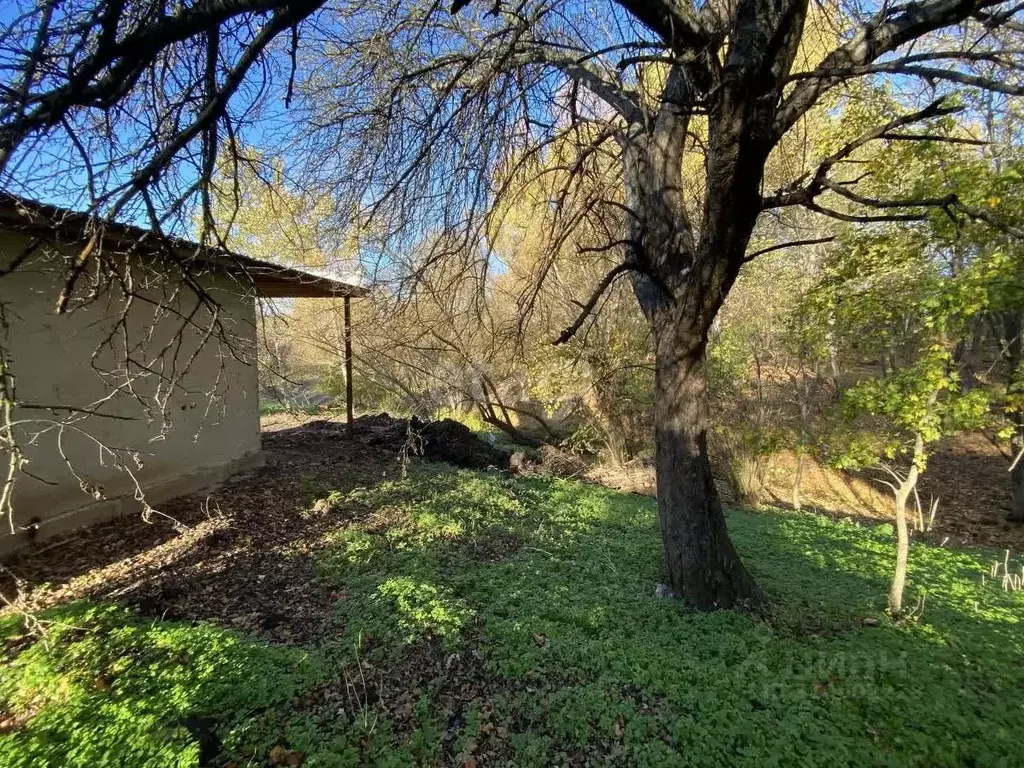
965,354
349,415
490,415
902,493
1013,328
1017,481
797,478
680,282
1017,471
703,566
899,576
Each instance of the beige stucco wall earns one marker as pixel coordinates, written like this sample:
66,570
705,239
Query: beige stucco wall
188,409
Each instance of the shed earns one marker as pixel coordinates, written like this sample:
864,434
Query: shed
145,386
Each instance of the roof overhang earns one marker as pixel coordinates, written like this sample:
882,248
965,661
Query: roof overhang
267,279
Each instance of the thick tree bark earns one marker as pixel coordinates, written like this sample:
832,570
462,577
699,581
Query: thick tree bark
685,269
702,564
680,283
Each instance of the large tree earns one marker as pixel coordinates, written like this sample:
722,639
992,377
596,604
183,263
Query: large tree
421,118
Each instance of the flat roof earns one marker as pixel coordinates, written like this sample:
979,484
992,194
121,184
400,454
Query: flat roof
269,279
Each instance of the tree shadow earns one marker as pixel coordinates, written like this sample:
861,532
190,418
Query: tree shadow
244,559
570,617
535,599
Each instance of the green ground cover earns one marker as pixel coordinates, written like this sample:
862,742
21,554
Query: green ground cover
482,620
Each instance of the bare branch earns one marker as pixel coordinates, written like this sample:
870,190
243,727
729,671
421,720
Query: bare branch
622,101
890,28
930,74
589,305
790,244
674,22
854,218
794,194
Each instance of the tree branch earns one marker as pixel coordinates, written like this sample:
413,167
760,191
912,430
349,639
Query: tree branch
588,307
622,101
790,244
890,28
674,22
793,194
926,73
861,218
114,65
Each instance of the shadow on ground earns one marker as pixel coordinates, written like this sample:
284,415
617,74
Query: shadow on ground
244,560
454,617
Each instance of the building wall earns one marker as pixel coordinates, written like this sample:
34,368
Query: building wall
178,395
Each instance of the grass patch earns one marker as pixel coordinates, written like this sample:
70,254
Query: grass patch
521,619
105,687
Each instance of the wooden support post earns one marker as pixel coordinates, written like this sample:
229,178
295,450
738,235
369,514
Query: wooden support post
348,366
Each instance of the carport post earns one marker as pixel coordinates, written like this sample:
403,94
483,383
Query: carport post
348,366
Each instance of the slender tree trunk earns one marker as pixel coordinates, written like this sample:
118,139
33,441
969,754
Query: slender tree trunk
1017,481
1017,471
702,564
899,576
349,415
1015,386
965,355
798,476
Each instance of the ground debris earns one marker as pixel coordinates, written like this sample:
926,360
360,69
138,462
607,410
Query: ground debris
240,559
444,440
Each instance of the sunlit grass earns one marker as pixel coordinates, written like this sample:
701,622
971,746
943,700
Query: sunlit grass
546,590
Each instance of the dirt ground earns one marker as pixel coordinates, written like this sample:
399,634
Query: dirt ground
233,555
237,555
967,474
